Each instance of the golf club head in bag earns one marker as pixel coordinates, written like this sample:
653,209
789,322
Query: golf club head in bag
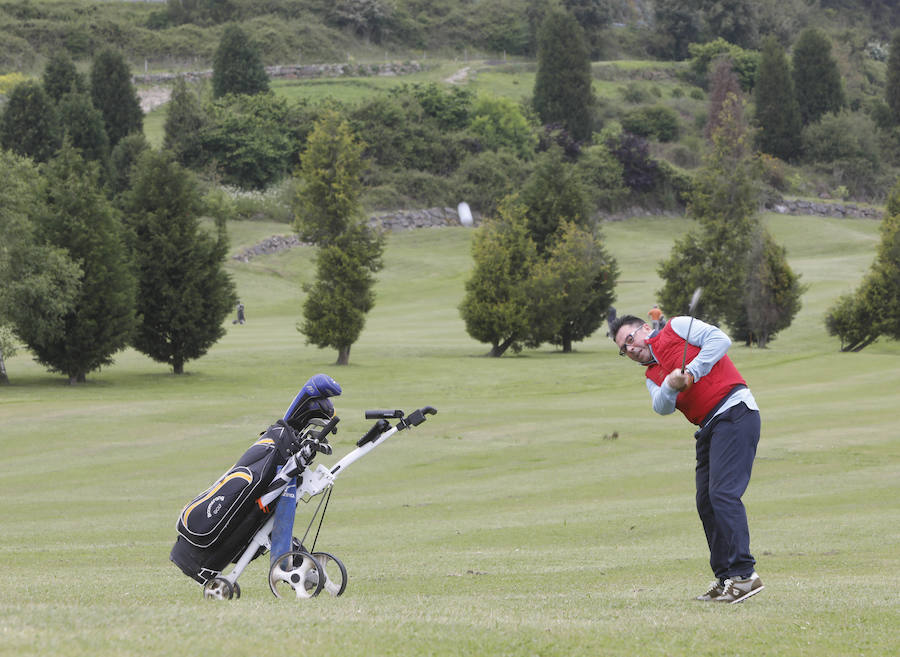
312,401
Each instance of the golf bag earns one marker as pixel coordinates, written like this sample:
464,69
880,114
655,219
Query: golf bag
216,527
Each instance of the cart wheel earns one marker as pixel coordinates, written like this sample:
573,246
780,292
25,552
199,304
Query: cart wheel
298,573
335,573
237,590
218,589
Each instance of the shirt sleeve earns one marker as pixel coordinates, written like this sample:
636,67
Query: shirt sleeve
712,341
663,397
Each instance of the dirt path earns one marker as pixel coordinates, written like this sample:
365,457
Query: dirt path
460,76
153,97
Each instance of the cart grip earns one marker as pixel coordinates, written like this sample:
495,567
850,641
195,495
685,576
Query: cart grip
417,417
374,415
377,429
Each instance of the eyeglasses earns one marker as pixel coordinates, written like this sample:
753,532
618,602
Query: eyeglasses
629,340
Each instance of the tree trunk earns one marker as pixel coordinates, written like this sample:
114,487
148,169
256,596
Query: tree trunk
73,380
566,344
343,356
178,366
762,340
498,349
3,378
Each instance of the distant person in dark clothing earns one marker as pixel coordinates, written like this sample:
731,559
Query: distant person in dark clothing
240,314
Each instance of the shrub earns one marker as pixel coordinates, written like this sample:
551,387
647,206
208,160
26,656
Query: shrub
657,122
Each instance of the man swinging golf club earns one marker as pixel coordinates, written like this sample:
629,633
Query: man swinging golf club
687,369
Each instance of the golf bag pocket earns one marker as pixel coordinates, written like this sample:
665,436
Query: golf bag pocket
207,517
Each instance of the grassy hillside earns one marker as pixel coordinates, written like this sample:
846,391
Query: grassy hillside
509,524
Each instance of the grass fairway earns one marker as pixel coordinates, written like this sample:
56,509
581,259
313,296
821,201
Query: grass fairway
508,524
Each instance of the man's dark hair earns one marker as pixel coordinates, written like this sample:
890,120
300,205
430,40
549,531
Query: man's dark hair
624,320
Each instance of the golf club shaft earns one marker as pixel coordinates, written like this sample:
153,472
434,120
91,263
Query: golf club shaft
684,357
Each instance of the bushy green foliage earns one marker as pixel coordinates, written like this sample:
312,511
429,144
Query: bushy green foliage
185,119
38,282
562,87
83,124
499,123
849,146
658,122
892,78
745,63
777,110
122,159
772,292
571,288
237,65
115,96
183,292
817,80
245,140
61,77
678,24
484,179
29,125
602,177
83,222
497,305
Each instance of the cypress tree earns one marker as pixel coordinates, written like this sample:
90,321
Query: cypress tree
237,65
61,77
817,81
30,123
184,294
184,120
83,124
83,222
114,95
892,80
562,87
777,110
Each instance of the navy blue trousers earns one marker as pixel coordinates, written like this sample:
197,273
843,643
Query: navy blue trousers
726,447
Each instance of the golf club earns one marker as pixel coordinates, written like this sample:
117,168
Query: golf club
695,299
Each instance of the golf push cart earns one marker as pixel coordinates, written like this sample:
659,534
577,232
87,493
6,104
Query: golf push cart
250,509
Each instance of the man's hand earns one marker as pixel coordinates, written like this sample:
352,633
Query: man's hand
680,381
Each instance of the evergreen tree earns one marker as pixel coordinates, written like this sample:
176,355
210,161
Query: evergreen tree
817,80
61,77
328,201
572,288
562,87
334,312
38,283
724,202
772,292
497,306
551,195
83,124
736,21
777,110
183,291
722,87
678,24
122,160
237,65
328,214
892,78
115,96
83,222
184,121
29,125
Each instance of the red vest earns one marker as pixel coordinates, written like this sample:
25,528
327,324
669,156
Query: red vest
702,397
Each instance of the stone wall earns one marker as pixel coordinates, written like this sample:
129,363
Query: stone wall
824,209
304,71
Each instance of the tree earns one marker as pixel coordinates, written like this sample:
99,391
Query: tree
723,86
237,65
329,215
892,78
497,306
122,160
30,124
185,119
724,202
183,291
83,124
83,222
817,80
678,24
114,95
328,201
772,292
61,77
736,21
572,288
562,86
38,283
777,110
499,123
334,312
553,194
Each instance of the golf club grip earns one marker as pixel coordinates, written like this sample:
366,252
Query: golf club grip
377,429
328,428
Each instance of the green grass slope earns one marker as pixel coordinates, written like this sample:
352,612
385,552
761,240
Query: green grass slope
511,523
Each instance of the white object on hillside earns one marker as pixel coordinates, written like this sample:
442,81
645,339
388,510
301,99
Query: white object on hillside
465,214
